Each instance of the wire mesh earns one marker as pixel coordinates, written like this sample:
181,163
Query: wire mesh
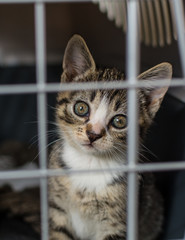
41,88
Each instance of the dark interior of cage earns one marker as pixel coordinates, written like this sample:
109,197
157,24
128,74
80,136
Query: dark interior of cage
107,43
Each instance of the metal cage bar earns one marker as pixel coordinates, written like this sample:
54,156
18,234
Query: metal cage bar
55,87
132,72
149,167
40,40
180,23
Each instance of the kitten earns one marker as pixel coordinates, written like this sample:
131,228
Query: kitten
93,135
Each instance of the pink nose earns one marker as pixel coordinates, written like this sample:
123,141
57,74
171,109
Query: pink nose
97,128
93,136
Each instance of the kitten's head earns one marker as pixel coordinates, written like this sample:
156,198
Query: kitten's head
96,121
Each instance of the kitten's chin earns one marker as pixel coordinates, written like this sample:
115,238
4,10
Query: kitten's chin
89,148
94,149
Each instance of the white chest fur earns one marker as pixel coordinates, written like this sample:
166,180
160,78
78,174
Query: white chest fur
84,228
90,181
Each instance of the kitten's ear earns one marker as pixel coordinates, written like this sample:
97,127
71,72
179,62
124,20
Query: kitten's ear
155,95
77,59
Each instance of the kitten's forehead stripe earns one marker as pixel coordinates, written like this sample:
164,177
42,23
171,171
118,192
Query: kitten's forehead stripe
93,95
117,105
63,101
113,94
73,94
101,93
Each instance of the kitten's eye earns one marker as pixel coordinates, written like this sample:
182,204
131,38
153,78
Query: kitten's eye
81,109
119,121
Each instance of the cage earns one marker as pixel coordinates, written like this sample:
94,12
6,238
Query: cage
34,34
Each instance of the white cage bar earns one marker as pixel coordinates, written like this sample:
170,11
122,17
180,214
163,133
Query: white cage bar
179,17
41,88
132,73
40,41
55,87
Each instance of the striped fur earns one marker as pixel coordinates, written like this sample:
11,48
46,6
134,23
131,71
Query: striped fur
93,135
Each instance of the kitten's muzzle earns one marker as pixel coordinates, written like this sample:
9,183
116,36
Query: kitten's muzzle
92,136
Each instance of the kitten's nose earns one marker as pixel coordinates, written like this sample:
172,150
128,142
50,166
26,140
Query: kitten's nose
93,136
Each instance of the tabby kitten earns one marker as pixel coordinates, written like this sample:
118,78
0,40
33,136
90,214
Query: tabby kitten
93,135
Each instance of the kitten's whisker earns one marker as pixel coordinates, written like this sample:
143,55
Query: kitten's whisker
49,134
64,131
147,150
115,153
48,145
51,107
52,123
143,157
120,150
32,139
